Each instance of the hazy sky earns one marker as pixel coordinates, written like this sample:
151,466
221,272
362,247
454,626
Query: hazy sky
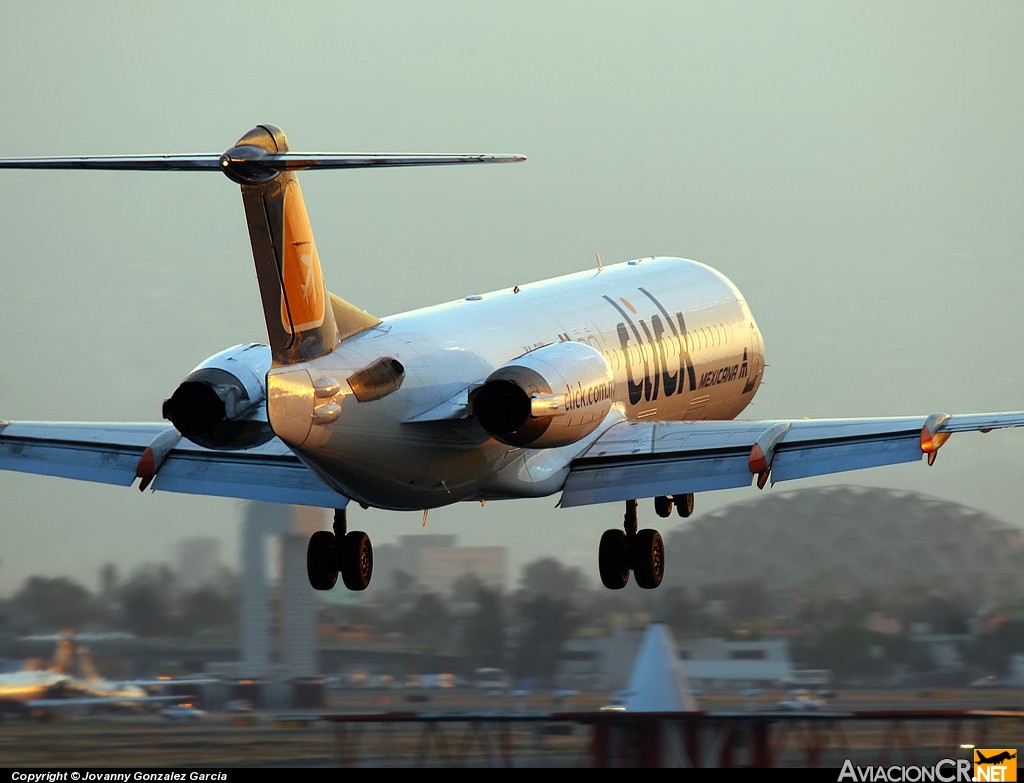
854,167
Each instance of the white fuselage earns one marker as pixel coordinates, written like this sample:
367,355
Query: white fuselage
677,336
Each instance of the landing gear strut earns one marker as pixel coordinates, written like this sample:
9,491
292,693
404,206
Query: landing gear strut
642,552
347,552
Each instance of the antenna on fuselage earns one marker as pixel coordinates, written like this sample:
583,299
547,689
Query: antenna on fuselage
600,266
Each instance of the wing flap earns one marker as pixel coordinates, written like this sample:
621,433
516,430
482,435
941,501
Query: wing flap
270,478
87,452
626,479
110,453
820,459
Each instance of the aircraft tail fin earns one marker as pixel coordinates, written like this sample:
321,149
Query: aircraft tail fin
303,320
86,666
64,655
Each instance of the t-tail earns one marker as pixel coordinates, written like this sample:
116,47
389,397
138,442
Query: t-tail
304,320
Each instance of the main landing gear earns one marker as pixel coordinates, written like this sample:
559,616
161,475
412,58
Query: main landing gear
349,553
643,551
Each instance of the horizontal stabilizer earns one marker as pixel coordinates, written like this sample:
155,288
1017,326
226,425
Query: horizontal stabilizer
287,161
304,319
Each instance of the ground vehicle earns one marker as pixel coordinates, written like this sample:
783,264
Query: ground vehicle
489,678
183,712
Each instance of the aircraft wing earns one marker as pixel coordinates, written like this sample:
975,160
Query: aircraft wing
121,453
648,458
57,703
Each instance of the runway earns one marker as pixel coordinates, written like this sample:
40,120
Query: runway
283,739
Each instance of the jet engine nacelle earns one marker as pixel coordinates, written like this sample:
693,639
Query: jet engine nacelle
222,403
552,396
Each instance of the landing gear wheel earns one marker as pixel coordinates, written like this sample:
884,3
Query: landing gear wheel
663,506
356,560
648,558
322,560
684,504
612,560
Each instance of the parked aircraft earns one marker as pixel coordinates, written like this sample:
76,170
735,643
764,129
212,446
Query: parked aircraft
32,682
69,683
608,385
124,695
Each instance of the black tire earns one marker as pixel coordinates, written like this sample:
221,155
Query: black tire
356,560
322,560
684,504
663,506
613,560
648,558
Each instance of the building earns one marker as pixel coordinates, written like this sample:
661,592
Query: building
603,663
435,563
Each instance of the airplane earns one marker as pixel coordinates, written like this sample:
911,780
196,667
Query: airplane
32,682
614,384
1004,756
121,695
57,689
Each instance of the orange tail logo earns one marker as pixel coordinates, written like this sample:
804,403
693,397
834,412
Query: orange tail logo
302,306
